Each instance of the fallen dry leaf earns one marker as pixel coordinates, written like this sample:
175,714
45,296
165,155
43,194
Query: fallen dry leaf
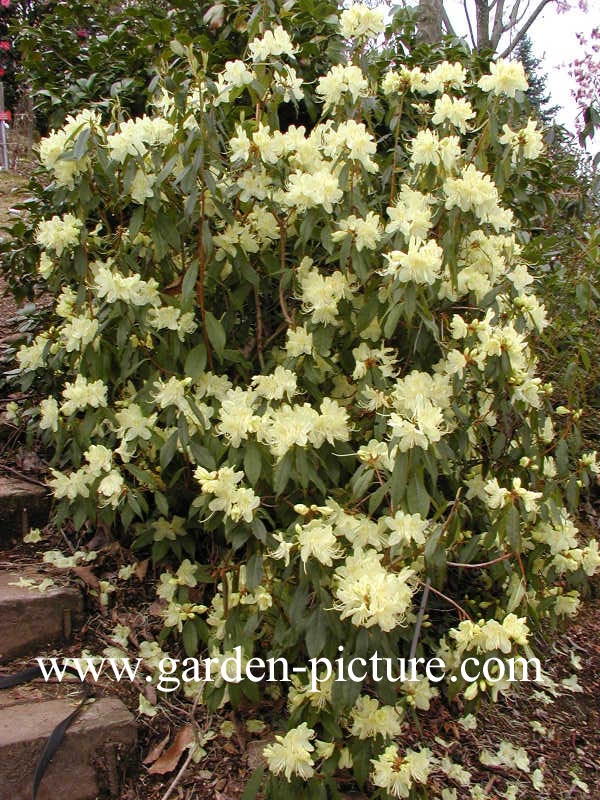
149,693
87,576
170,758
156,608
142,569
156,751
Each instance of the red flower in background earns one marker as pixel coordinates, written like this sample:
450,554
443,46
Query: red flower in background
5,46
2,71
81,33
5,3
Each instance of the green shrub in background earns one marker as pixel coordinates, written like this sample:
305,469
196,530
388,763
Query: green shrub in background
74,55
296,363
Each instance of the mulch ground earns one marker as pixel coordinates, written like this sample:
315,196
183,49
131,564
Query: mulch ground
559,728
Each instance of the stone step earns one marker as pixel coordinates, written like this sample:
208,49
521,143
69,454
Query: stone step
23,505
89,760
36,691
30,619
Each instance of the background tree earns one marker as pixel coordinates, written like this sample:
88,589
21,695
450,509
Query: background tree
13,15
586,72
537,94
430,19
489,23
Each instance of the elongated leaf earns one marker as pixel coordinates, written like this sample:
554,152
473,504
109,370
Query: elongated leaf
216,333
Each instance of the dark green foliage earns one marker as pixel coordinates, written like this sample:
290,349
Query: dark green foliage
537,94
83,54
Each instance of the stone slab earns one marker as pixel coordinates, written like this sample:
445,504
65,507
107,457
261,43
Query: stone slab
30,619
36,691
23,505
88,761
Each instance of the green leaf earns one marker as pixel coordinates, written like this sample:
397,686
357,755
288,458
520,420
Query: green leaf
361,766
190,637
254,784
361,480
177,48
516,592
512,522
561,455
297,608
498,445
195,362
259,530
137,218
252,463
572,493
281,473
378,497
188,284
317,633
216,333
159,550
399,478
417,498
161,503
168,450
183,430
254,571
345,693
80,148
435,558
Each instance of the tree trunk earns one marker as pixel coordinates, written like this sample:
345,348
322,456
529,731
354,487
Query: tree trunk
429,20
482,11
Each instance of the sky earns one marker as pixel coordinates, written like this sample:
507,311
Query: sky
554,41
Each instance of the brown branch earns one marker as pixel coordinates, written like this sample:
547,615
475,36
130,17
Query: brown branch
452,511
200,282
460,609
469,23
282,303
446,20
498,26
259,330
274,335
482,565
395,161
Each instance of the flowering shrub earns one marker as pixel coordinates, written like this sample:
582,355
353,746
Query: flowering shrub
297,364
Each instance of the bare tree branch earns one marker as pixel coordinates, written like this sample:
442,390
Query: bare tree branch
523,31
498,26
471,34
519,19
514,13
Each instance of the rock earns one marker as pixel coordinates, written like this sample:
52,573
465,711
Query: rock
23,505
87,760
30,619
